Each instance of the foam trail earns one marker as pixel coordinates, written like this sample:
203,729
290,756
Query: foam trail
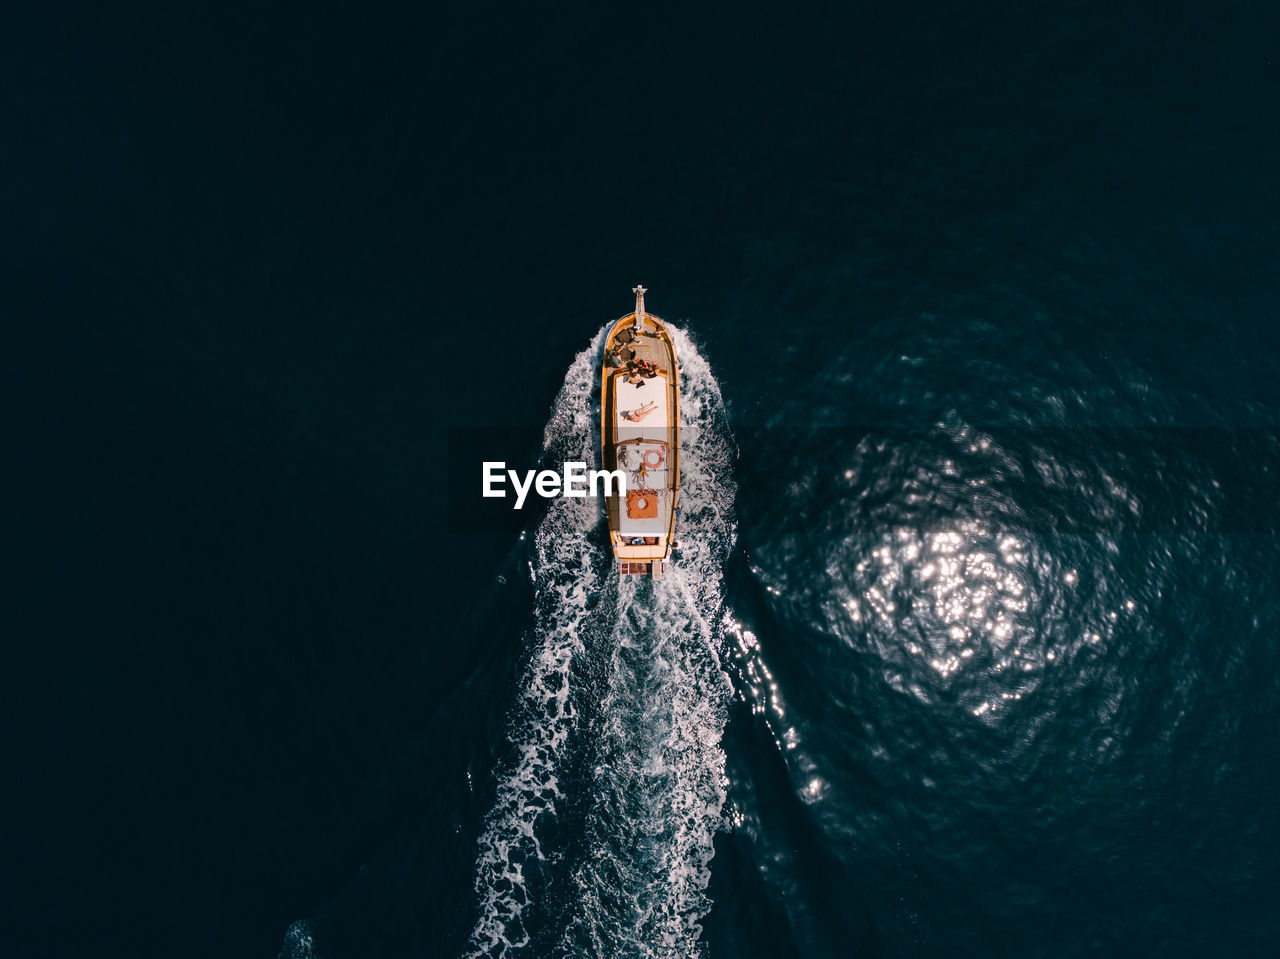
299,943
568,572
659,781
657,706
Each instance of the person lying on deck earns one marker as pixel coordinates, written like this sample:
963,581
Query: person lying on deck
639,413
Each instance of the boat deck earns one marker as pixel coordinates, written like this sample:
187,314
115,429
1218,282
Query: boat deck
623,346
647,348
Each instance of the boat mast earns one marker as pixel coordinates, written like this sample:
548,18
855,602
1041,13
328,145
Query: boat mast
639,291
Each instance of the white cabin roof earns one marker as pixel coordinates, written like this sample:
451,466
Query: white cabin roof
629,397
646,467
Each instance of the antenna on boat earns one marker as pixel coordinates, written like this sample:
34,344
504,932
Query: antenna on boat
639,291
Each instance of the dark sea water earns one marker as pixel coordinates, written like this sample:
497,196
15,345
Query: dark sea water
970,646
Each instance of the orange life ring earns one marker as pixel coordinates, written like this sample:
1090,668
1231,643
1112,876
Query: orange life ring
654,463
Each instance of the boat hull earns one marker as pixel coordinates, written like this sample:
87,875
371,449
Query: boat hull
640,436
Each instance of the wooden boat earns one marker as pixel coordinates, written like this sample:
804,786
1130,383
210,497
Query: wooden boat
640,435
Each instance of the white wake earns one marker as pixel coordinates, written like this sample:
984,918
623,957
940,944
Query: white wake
625,675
